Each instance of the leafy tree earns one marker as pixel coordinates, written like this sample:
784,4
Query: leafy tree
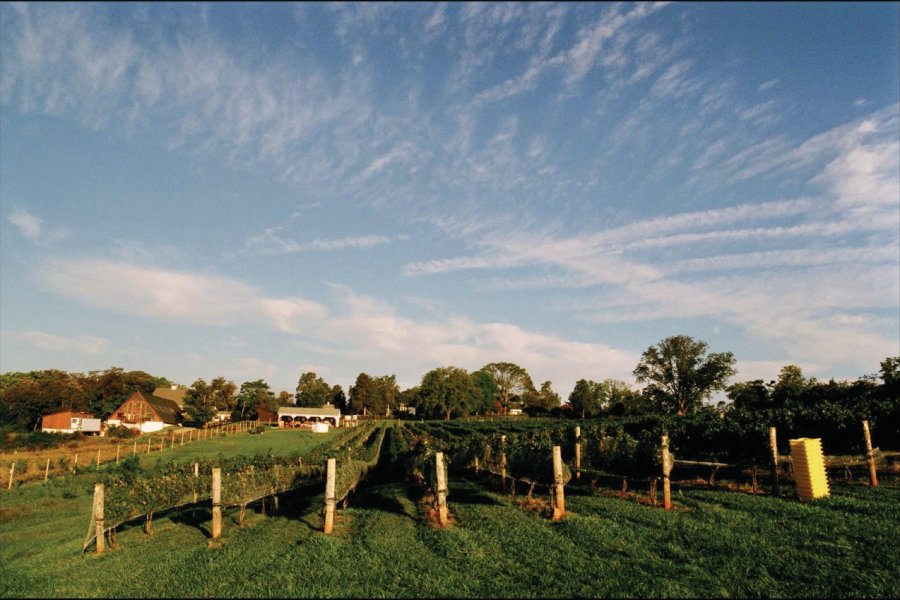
545,399
385,393
312,391
285,398
448,391
223,393
254,394
512,381
360,394
200,402
681,374
488,388
338,399
585,398
617,398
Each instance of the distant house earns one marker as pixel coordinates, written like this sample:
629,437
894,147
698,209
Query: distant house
515,409
174,392
264,415
295,416
146,413
70,421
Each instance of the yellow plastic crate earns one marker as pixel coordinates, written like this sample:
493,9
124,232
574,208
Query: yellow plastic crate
809,468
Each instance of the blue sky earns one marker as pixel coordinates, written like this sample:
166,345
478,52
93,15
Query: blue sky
259,190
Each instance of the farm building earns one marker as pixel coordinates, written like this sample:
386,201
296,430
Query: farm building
264,415
146,413
294,416
70,421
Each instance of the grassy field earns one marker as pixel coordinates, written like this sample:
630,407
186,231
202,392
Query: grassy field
715,544
31,465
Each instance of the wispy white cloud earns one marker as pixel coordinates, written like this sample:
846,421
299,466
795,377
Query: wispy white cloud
172,295
269,242
86,344
32,228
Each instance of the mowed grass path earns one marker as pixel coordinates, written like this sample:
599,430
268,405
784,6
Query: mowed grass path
715,544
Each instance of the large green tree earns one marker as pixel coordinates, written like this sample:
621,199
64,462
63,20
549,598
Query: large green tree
488,388
446,392
512,381
200,402
312,391
361,393
585,398
544,400
680,374
254,394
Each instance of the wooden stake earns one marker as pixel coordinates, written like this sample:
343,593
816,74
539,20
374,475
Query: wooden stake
667,462
98,458
182,438
216,503
870,455
47,471
476,466
329,495
196,476
98,517
148,444
118,448
12,472
75,464
577,452
441,488
773,445
134,451
503,462
559,507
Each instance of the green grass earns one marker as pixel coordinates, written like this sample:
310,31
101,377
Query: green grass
279,441
715,544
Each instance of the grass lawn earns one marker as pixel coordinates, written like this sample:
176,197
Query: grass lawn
716,544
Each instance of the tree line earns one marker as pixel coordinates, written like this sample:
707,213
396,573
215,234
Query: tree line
679,375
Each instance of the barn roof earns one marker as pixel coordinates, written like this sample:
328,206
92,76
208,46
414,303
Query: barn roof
304,410
175,395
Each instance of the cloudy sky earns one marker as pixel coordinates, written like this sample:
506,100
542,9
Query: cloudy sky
259,190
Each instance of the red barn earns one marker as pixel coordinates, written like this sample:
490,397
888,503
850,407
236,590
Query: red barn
70,421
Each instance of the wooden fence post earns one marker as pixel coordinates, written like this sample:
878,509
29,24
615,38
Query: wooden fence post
98,517
577,452
182,438
476,466
148,444
134,450
441,488
47,471
870,455
118,449
559,507
216,503
667,462
12,473
329,495
773,445
503,462
75,464
98,458
196,476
